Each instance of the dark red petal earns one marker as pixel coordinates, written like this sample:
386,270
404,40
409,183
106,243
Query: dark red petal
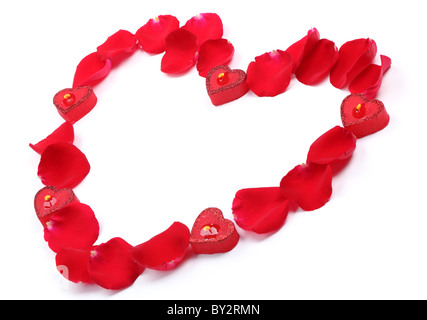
181,51
205,26
316,64
91,70
121,42
73,226
260,210
335,144
164,251
111,265
64,133
309,185
152,35
300,48
270,73
73,264
63,165
368,82
213,53
353,57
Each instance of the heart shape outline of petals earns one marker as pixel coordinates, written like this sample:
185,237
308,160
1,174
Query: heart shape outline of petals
235,87
260,210
212,233
374,119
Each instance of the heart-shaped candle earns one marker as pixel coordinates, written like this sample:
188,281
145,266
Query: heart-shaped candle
225,85
211,233
362,116
74,104
50,199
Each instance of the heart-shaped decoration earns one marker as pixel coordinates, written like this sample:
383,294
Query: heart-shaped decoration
211,233
50,199
74,104
225,85
362,116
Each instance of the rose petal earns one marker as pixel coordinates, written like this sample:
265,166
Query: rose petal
205,26
260,210
213,53
270,73
63,165
316,64
353,57
122,42
300,48
73,264
152,35
73,226
111,265
309,185
91,70
181,51
164,251
368,82
335,144
64,133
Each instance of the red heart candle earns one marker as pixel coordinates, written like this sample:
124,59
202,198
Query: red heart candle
211,233
74,104
362,116
225,85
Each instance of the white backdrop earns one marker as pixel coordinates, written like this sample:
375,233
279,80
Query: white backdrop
161,152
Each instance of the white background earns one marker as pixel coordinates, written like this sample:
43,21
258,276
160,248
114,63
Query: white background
161,152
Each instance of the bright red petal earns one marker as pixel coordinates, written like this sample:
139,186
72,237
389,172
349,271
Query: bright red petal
213,53
300,48
111,265
336,144
316,65
260,210
91,70
205,26
119,43
181,51
152,35
63,165
164,251
353,57
369,81
74,226
309,185
270,73
64,133
73,264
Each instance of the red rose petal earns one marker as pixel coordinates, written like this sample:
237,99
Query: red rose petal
309,185
270,73
73,226
368,82
122,42
91,70
152,35
63,165
181,51
300,48
335,144
64,133
213,53
353,57
260,210
316,65
205,26
111,265
164,251
73,264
